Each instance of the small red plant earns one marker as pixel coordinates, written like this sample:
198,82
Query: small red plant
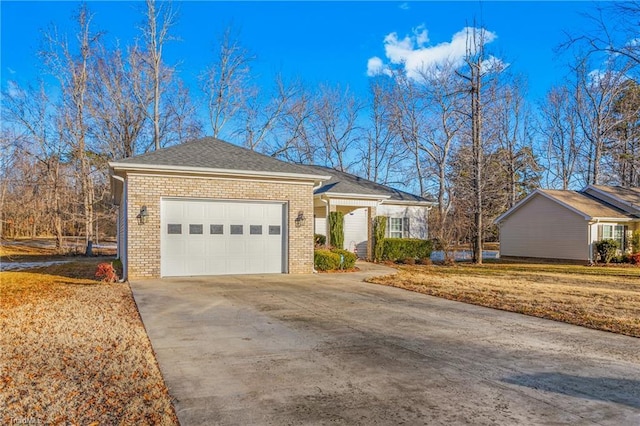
106,272
635,258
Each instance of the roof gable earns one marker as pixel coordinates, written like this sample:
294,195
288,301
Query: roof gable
581,203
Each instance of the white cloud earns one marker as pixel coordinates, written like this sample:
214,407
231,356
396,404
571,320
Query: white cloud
404,6
374,66
414,54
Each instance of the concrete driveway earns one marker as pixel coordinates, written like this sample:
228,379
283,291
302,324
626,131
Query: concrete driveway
329,349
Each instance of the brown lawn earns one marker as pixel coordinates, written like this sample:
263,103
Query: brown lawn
603,298
74,351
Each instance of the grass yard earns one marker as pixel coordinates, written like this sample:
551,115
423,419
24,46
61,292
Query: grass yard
603,298
74,351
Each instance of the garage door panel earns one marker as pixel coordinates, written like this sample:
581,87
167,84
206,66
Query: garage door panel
221,237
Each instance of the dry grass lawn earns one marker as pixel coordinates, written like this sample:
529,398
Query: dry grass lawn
603,298
74,351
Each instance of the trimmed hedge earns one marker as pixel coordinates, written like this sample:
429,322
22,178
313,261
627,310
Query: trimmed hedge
329,260
397,249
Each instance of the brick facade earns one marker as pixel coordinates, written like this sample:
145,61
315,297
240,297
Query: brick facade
143,243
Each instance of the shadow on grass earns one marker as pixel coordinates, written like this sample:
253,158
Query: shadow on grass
76,268
607,389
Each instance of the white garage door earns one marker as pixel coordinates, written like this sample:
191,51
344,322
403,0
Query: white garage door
204,237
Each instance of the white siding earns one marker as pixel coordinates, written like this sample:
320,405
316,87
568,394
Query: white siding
356,230
320,221
545,229
418,218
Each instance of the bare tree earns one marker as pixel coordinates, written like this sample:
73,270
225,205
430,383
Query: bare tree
120,97
32,112
227,82
73,72
560,127
160,17
334,124
380,151
514,136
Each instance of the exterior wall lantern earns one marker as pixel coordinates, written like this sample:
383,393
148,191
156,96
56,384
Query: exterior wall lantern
301,219
143,216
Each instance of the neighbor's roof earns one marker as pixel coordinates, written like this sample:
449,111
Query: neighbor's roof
581,203
628,195
588,205
208,154
348,184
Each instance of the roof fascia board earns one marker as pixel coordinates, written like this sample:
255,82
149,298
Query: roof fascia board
209,171
352,196
391,202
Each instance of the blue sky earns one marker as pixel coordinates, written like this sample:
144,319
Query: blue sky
329,42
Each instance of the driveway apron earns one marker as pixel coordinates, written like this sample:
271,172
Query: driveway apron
331,349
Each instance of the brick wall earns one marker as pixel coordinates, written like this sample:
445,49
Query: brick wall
146,190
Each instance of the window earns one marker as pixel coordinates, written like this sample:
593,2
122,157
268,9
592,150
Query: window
216,229
174,228
236,229
398,227
274,230
613,232
255,229
195,229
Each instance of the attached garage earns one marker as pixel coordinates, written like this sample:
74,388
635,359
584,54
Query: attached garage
214,237
207,207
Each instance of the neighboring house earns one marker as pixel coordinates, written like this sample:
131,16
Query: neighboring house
361,200
564,225
208,207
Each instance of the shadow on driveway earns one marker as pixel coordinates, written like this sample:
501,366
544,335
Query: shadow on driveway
608,389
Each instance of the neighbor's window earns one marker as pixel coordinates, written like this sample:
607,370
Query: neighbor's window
398,227
613,232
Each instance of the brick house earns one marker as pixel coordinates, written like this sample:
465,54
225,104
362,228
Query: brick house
208,207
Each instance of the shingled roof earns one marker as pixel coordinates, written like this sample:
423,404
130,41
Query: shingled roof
213,154
588,205
348,184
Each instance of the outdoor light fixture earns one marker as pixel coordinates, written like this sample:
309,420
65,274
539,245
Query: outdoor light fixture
300,220
143,216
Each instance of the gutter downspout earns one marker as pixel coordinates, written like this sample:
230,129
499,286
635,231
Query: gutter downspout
326,224
124,227
597,221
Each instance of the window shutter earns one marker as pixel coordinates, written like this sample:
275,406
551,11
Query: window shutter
599,232
405,230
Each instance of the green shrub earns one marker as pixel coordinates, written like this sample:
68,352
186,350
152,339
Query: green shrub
396,249
607,250
379,231
319,239
325,260
331,260
635,242
336,229
348,258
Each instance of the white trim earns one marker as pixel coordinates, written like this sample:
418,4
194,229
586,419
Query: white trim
336,195
212,171
220,177
391,202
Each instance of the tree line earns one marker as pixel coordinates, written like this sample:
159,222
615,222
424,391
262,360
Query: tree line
462,132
